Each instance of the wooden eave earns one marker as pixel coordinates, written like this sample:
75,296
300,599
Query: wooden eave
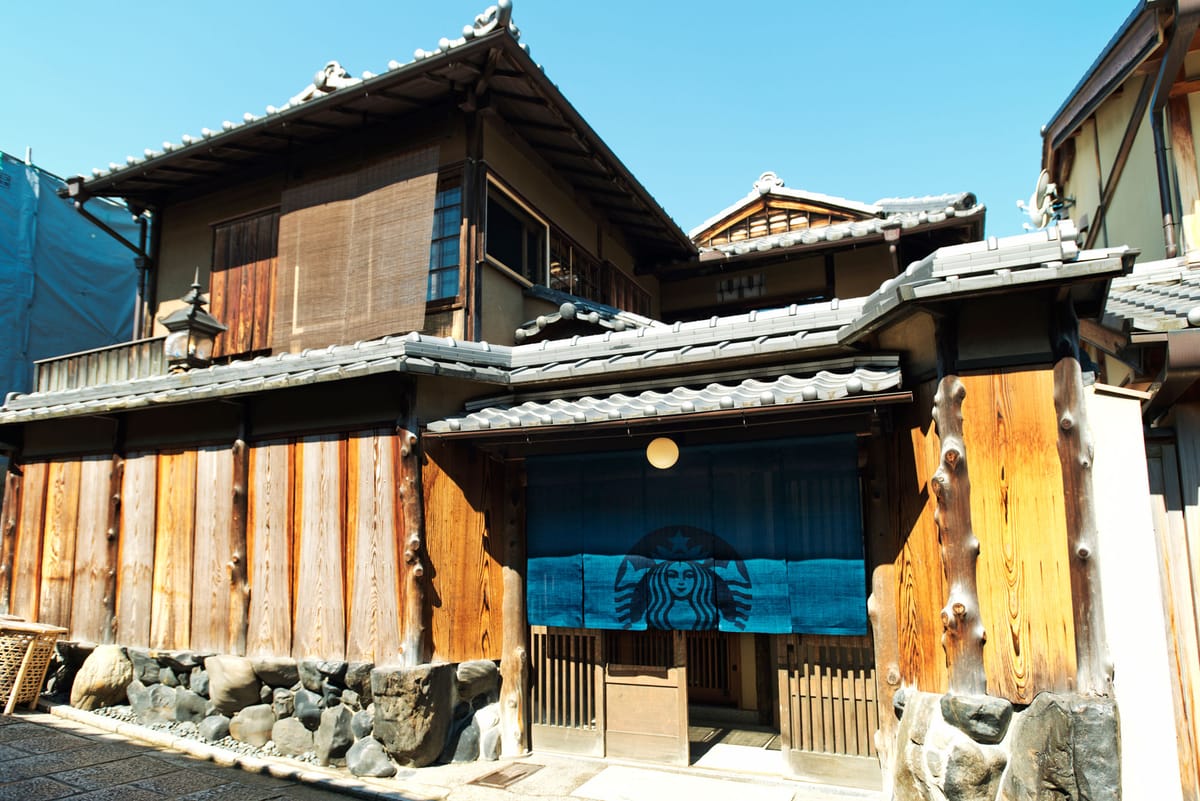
490,70
770,202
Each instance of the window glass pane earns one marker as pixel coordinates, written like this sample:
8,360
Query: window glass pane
449,221
452,196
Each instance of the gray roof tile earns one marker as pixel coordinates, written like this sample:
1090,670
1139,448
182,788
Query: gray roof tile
1158,296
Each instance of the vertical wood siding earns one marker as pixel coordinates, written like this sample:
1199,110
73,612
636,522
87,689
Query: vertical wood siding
58,546
320,624
27,572
269,541
211,611
135,581
242,281
171,599
1017,512
463,496
372,553
91,550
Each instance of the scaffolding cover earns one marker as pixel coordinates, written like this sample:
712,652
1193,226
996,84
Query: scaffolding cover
65,285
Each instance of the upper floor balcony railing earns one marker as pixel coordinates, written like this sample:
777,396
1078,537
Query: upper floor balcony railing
128,360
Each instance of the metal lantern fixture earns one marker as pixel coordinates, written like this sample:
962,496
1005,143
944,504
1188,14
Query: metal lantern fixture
191,332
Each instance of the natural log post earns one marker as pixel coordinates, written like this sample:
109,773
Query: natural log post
112,533
1075,451
514,662
9,517
963,635
239,558
414,641
882,549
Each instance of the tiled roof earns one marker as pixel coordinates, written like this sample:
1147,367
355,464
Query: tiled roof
899,213
327,81
572,307
1158,296
793,333
823,385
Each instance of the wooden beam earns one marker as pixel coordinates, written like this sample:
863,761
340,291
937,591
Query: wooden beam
1110,341
239,581
112,533
9,518
415,642
962,628
514,663
1092,665
883,546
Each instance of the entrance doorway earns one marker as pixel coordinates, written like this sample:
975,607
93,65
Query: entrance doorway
801,705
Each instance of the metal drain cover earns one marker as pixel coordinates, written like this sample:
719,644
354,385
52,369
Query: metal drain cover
507,776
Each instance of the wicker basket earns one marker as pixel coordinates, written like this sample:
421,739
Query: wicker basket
25,653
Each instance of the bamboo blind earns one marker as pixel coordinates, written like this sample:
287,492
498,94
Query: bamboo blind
354,254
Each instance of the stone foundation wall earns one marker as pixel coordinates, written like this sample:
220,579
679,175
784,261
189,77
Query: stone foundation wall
979,748
368,718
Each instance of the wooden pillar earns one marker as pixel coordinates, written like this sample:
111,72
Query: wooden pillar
474,195
883,546
1093,667
112,534
9,517
962,629
239,579
414,645
514,662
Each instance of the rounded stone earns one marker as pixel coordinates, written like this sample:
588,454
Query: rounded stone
102,679
291,737
253,725
213,728
232,684
367,757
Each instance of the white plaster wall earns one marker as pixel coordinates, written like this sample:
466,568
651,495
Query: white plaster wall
1132,595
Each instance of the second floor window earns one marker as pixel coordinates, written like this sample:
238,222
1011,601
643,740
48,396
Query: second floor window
443,247
515,238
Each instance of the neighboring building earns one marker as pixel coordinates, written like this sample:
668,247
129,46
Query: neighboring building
1121,154
480,398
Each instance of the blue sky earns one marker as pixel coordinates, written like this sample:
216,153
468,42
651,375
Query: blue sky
863,100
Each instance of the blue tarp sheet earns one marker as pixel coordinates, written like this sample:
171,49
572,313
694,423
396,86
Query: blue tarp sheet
763,537
65,285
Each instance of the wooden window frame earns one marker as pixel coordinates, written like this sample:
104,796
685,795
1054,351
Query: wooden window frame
448,180
509,197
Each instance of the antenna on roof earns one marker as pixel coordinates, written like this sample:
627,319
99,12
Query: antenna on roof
1045,206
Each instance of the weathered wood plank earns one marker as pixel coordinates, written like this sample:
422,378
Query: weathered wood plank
10,519
30,530
211,613
459,545
112,533
883,547
1017,507
91,565
171,599
514,664
269,543
135,579
920,589
1093,666
375,601
58,547
319,626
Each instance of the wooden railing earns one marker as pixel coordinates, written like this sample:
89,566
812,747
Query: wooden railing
830,682
128,360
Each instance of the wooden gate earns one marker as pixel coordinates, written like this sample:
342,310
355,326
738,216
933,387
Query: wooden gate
567,698
712,659
828,710
645,688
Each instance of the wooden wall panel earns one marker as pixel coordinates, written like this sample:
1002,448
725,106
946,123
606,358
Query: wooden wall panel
171,601
91,566
921,585
373,550
135,580
1017,509
461,498
211,613
269,542
320,624
30,527
58,546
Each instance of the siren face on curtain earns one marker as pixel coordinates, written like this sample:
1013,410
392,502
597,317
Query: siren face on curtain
759,537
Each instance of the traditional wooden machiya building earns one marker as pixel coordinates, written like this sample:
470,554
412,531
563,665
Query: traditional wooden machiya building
452,418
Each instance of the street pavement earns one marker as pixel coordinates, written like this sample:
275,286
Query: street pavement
45,756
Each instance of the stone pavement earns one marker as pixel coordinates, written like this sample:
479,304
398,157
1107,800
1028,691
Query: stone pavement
44,756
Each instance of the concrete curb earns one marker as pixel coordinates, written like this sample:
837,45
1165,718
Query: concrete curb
276,767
